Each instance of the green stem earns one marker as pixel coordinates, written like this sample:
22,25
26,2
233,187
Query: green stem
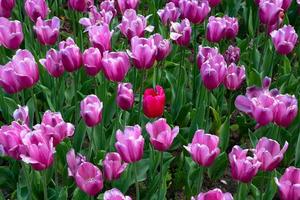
141,94
27,179
207,111
137,189
242,191
36,113
161,172
44,175
200,179
76,82
195,64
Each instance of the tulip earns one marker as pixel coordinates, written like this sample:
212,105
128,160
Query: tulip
92,61
113,167
176,2
169,14
22,115
215,29
52,63
213,72
232,27
195,11
181,32
115,194
96,18
125,96
284,39
214,3
134,25
130,144
154,102
124,5
11,34
288,184
70,55
232,54
161,134
80,5
269,154
91,110
163,47
47,31
115,65
100,37
269,11
11,139
286,4
286,110
6,7
234,77
143,52
108,6
204,54
36,9
215,194
74,161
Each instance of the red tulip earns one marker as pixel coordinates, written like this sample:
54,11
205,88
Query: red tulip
154,102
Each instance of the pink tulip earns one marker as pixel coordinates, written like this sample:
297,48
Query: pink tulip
163,47
284,39
286,110
215,194
113,166
70,55
234,77
21,115
52,63
92,61
73,162
215,31
115,65
124,5
130,143
232,27
47,31
80,5
176,2
125,96
243,167
36,9
269,11
96,18
286,4
161,134
115,194
232,54
195,11
204,148
204,54
108,6
214,3
181,32
6,7
91,110
288,184
169,14
11,33
100,37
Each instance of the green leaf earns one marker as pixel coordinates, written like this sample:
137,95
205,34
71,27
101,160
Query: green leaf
224,133
79,135
218,168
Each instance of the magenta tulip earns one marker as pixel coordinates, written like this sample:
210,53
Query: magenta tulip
36,9
73,162
96,18
204,54
52,63
234,77
286,110
47,31
154,100
21,115
181,32
108,6
80,5
270,11
100,37
6,7
91,110
163,47
92,61
70,55
232,27
115,194
232,54
124,5
113,166
286,4
169,14
176,2
11,33
195,11
215,29
125,96
214,3
215,194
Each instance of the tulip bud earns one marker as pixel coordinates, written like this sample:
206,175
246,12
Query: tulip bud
154,102
70,55
22,115
113,167
215,194
115,194
47,31
215,29
100,37
6,7
169,14
181,32
163,46
36,9
124,5
232,27
232,55
125,96
52,63
234,77
80,5
96,18
11,33
286,110
195,11
92,61
91,110
269,11
204,54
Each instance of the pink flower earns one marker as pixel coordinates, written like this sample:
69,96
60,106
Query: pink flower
52,63
22,115
232,27
113,166
234,77
170,13
6,7
73,162
115,194
108,6
204,54
181,32
214,3
47,31
100,37
215,31
11,33
92,61
125,96
269,11
80,5
96,18
154,100
70,55
215,194
163,46
36,9
124,5
195,11
232,55
91,110
286,110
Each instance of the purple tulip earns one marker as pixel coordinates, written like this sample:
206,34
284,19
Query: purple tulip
243,167
234,77
92,61
36,9
204,148
163,46
124,5
232,54
169,14
215,29
73,162
91,110
176,2
21,115
108,6
143,52
47,31
133,24
215,194
80,5
284,39
181,32
125,96
269,11
286,110
269,154
232,27
113,166
115,194
96,18
161,134
11,33
195,11
70,55
115,65
214,3
6,7
288,184
20,73
286,4
130,143
52,63
100,37
204,54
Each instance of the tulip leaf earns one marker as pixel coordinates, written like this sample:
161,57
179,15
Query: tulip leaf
218,168
79,135
224,133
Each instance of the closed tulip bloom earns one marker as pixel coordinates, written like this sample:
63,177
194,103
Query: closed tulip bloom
243,167
70,55
269,11
204,148
124,5
232,27
130,143
115,65
195,11
154,102
47,31
113,166
143,52
284,39
52,63
108,6
91,110
100,37
204,54
181,32
286,4
6,7
115,194
74,161
36,9
232,54
214,3
286,110
125,96
92,61
21,115
215,29
288,184
161,134
215,194
170,13
234,77
163,47
80,5
268,152
11,33
96,18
